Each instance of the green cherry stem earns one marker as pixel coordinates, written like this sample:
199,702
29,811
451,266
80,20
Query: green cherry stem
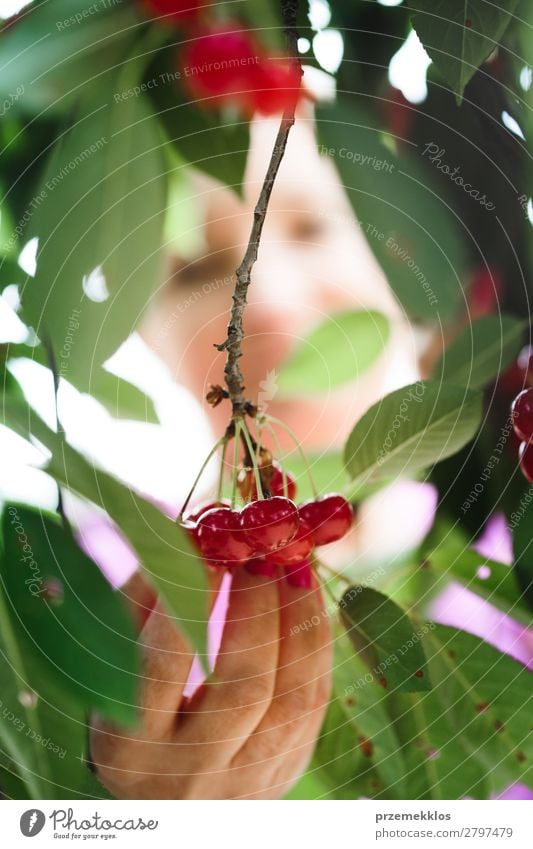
253,456
279,452
221,472
294,438
236,437
200,473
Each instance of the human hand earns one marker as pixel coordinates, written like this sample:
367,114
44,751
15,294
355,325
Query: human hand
250,729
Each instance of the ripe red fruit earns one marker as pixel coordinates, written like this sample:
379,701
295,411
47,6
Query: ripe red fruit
525,455
174,11
299,575
330,518
484,292
276,85
295,551
270,523
522,414
220,538
274,484
193,514
217,63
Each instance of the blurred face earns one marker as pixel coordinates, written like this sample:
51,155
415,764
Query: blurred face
313,262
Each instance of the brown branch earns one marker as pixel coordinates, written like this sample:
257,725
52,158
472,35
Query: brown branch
232,371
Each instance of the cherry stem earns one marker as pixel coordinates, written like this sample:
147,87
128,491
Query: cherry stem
213,451
238,427
252,452
294,438
279,452
221,472
235,331
337,575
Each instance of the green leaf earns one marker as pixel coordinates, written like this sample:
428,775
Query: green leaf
363,704
411,429
11,784
481,352
50,56
522,527
401,211
460,34
41,729
122,399
215,141
474,725
85,637
452,559
385,635
339,760
327,469
343,347
169,560
99,220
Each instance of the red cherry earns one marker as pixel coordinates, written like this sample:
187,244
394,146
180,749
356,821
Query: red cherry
275,486
522,415
220,538
299,575
270,523
484,292
525,456
194,513
174,12
297,550
512,381
330,517
218,62
276,86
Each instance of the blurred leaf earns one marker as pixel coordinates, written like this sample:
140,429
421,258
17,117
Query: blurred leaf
83,634
384,633
474,724
51,55
522,527
41,728
215,141
460,34
169,560
481,352
404,216
11,784
99,223
452,558
308,786
339,350
411,429
327,469
122,399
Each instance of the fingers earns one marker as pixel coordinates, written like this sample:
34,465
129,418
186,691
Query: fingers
232,703
287,732
140,597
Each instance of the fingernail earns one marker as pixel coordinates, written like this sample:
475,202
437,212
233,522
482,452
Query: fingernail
299,575
259,566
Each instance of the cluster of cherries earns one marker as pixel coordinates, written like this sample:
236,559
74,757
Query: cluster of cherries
268,533
222,63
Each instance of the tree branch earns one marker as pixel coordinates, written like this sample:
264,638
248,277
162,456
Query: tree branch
235,333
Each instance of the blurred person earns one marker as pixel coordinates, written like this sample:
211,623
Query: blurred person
249,730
